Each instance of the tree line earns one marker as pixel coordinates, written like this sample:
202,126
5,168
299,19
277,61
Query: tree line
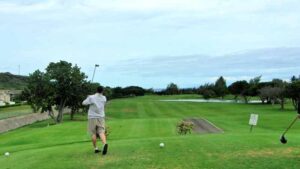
272,92
64,85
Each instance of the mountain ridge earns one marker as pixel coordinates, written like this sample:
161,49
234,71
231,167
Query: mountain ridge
9,81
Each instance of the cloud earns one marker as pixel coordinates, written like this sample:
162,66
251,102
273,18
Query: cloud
219,7
110,32
204,7
170,13
22,7
269,62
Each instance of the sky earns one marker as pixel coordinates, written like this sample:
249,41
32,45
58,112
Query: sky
151,43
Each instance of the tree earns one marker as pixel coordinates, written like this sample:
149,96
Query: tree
240,88
68,81
207,91
271,94
188,91
172,89
150,91
220,87
294,78
62,86
133,91
264,94
117,92
254,86
282,93
39,93
293,92
108,92
278,83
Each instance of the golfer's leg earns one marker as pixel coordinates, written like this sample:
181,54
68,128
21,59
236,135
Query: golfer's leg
103,137
94,140
101,130
105,146
92,130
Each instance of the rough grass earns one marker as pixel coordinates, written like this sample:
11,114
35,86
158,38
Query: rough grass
139,124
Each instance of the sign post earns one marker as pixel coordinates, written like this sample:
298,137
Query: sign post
253,121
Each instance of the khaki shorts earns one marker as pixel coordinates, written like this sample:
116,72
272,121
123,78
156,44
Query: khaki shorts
96,126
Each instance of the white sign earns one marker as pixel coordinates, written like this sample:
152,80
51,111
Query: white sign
253,119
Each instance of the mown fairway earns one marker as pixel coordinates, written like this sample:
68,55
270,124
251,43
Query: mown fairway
137,127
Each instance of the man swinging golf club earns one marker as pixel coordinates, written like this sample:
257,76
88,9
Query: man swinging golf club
96,121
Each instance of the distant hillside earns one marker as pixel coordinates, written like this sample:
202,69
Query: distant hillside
10,81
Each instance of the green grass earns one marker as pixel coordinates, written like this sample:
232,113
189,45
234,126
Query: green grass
139,124
7,112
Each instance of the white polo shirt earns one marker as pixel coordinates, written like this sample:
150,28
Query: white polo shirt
96,103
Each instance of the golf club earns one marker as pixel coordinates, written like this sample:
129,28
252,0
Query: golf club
283,140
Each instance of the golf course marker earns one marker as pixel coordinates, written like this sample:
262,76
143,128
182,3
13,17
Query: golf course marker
253,121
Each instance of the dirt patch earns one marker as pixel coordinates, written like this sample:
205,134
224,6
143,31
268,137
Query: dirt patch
203,126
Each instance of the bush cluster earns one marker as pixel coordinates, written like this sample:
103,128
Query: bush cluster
185,127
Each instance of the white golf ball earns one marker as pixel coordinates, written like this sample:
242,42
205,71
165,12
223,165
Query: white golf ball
161,145
6,154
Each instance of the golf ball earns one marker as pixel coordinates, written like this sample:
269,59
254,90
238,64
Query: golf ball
161,145
6,154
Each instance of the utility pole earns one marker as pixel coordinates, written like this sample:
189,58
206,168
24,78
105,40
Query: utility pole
96,65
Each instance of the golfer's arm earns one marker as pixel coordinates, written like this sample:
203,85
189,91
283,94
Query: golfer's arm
106,102
86,101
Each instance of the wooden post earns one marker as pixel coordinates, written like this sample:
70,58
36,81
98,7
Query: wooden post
251,128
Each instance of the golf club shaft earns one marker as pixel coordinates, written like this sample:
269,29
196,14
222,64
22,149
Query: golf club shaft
290,125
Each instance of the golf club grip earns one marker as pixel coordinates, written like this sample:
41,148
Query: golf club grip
290,125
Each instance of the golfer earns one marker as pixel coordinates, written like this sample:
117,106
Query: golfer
96,115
